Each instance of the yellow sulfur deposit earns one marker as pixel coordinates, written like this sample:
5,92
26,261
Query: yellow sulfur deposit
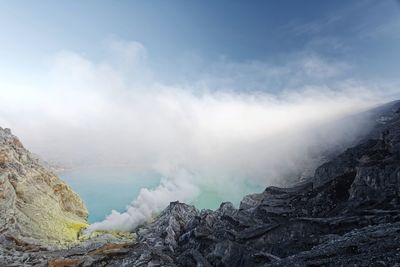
34,202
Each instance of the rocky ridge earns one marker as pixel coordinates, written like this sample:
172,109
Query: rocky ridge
348,213
35,205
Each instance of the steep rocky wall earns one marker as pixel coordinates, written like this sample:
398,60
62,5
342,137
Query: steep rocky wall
34,203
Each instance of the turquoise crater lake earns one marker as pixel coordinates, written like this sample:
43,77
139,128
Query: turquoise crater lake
114,188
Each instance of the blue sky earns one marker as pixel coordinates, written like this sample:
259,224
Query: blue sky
184,38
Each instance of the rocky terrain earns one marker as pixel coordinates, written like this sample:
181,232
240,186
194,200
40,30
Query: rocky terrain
347,214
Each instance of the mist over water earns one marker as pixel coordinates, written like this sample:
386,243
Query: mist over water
95,184
204,145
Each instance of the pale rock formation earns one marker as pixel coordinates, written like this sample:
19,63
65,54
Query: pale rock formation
35,205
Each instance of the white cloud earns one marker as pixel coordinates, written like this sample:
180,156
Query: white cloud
149,203
108,112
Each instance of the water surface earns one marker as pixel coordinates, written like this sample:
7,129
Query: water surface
114,188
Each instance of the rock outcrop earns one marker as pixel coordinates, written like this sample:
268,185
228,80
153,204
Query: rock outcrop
35,205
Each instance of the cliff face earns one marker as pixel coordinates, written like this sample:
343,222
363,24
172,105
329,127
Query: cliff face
35,204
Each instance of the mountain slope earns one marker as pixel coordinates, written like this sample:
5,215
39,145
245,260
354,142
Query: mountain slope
35,204
348,213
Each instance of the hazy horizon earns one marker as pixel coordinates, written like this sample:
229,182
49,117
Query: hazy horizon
210,96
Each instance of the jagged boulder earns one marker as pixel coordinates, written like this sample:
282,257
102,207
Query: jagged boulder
34,203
